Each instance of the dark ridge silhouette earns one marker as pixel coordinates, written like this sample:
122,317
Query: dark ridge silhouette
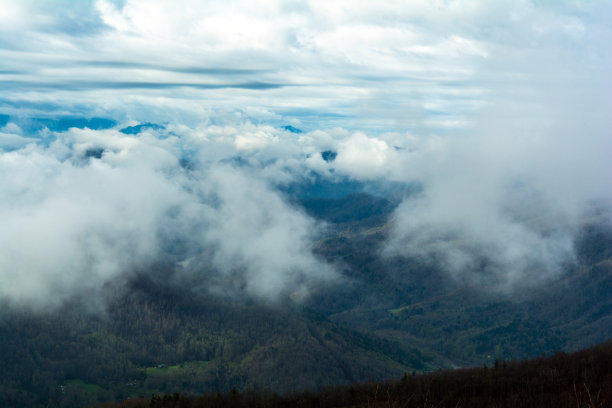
64,123
4,120
96,153
292,129
134,130
329,155
580,379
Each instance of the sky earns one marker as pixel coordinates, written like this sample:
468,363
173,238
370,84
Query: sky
500,110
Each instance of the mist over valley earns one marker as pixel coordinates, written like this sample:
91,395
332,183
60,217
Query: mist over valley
293,196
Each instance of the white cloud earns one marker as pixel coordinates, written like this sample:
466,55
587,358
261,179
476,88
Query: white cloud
498,108
72,223
11,139
363,157
254,231
321,51
253,140
509,197
113,17
68,228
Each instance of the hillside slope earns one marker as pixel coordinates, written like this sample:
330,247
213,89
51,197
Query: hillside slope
581,379
389,316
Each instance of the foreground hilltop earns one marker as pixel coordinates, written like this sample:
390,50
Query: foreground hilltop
580,379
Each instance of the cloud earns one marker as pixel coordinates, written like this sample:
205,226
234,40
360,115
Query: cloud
337,60
256,233
58,17
363,157
74,222
87,85
498,109
503,209
70,226
11,137
502,204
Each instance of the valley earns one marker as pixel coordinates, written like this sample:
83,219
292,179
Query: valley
387,317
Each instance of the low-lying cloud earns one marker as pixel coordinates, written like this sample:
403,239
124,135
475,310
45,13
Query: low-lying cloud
498,110
82,209
73,222
503,204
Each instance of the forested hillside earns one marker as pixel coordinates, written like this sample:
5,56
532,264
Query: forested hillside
389,316
581,379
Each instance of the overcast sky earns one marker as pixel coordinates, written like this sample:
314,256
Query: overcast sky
393,65
499,109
